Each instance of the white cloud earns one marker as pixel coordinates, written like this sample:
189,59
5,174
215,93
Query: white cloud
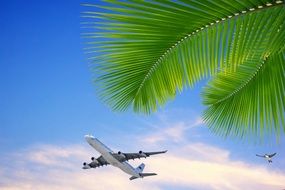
172,132
195,165
224,174
50,155
53,167
187,165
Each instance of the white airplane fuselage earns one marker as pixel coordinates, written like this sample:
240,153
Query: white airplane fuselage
107,155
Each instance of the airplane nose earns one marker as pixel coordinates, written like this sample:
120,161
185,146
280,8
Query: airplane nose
87,137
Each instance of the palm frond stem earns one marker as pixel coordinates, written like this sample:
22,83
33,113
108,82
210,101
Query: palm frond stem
198,30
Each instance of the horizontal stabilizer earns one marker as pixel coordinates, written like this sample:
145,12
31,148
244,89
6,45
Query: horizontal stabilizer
133,177
147,174
143,175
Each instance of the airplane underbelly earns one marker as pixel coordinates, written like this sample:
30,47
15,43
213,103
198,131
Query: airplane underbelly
128,169
122,165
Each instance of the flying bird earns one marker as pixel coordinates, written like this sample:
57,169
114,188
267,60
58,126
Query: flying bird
267,156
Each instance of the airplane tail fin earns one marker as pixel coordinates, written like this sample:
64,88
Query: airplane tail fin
140,168
143,175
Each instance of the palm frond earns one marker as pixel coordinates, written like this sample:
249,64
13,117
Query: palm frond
145,52
152,49
248,101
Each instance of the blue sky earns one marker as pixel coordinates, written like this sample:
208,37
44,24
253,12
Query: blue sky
48,103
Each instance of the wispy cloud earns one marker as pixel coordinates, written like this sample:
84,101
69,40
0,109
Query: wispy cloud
53,167
196,165
53,156
171,131
188,165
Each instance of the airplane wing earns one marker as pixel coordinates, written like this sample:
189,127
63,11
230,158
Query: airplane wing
100,161
131,156
271,155
260,156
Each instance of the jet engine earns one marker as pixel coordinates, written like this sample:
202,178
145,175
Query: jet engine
86,166
142,154
121,155
94,160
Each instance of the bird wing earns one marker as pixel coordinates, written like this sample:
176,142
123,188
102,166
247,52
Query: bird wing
260,156
271,155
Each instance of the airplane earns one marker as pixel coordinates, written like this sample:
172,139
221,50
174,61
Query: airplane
118,159
267,156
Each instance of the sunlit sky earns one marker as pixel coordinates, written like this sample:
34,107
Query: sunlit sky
48,103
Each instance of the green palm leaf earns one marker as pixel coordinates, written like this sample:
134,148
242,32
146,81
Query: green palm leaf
147,51
252,96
